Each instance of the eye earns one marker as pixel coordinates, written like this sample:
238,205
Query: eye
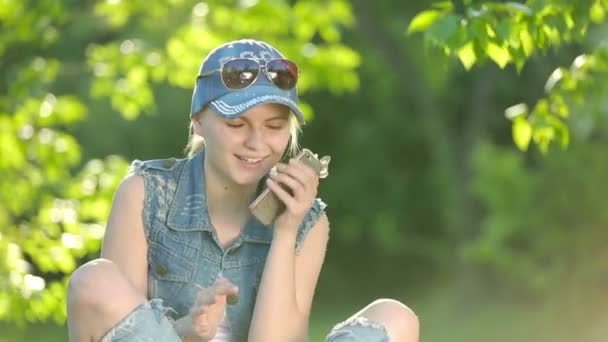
276,124
234,125
275,127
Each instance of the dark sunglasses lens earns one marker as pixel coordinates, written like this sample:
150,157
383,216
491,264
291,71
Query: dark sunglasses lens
239,73
283,73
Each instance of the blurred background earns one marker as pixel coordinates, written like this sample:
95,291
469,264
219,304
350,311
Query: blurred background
468,142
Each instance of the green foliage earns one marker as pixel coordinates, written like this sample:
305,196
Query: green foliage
51,216
511,33
309,32
45,228
579,90
505,32
537,242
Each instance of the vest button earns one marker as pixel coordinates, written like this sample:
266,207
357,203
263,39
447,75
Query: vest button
161,270
232,299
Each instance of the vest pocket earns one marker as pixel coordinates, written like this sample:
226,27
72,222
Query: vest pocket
168,271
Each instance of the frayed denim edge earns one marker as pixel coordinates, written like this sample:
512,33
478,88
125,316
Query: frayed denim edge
155,304
362,321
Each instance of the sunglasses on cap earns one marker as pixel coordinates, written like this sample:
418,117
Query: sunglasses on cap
240,73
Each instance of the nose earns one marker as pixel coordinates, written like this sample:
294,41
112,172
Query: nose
254,139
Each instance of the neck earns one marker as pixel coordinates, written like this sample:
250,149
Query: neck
224,197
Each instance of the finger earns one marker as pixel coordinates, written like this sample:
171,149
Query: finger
206,332
307,170
294,172
224,287
202,327
206,296
295,187
226,290
283,195
202,291
200,319
200,310
304,174
222,281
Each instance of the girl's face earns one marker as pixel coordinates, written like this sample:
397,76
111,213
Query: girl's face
244,149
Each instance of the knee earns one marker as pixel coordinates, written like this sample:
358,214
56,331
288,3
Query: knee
91,283
401,322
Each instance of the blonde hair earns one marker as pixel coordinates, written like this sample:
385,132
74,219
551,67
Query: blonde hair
196,143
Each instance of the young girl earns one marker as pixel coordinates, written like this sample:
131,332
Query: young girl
184,259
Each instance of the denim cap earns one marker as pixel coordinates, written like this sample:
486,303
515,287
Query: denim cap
229,103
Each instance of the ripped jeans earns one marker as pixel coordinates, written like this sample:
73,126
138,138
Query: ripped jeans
148,322
358,329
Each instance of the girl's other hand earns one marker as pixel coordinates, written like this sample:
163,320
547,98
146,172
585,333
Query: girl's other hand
209,309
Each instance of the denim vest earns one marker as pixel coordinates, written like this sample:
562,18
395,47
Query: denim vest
183,248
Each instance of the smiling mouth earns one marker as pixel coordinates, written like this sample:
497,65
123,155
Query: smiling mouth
252,161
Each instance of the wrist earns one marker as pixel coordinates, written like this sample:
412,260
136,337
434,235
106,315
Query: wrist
185,330
284,239
285,232
182,327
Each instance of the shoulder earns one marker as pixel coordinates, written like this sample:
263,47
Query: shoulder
168,164
143,174
131,188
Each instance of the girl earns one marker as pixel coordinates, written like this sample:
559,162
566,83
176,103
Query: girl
183,258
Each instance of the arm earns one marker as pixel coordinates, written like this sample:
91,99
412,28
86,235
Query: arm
126,246
124,242
288,282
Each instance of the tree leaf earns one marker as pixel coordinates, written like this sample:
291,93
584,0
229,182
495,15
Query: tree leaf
597,13
527,42
467,56
443,28
522,133
498,54
423,20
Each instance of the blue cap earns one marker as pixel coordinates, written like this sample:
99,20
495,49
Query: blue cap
210,90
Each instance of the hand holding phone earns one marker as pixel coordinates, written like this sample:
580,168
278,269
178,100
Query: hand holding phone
267,206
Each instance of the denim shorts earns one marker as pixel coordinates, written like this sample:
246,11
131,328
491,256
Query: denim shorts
358,329
148,322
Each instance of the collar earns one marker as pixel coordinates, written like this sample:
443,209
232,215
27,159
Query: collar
189,211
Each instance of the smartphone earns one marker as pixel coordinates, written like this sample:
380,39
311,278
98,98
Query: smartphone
267,205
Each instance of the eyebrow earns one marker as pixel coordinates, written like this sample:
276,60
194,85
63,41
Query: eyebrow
278,117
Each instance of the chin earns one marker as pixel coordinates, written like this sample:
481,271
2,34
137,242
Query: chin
248,177
247,180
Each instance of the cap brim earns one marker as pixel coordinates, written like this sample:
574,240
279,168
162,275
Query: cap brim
235,103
